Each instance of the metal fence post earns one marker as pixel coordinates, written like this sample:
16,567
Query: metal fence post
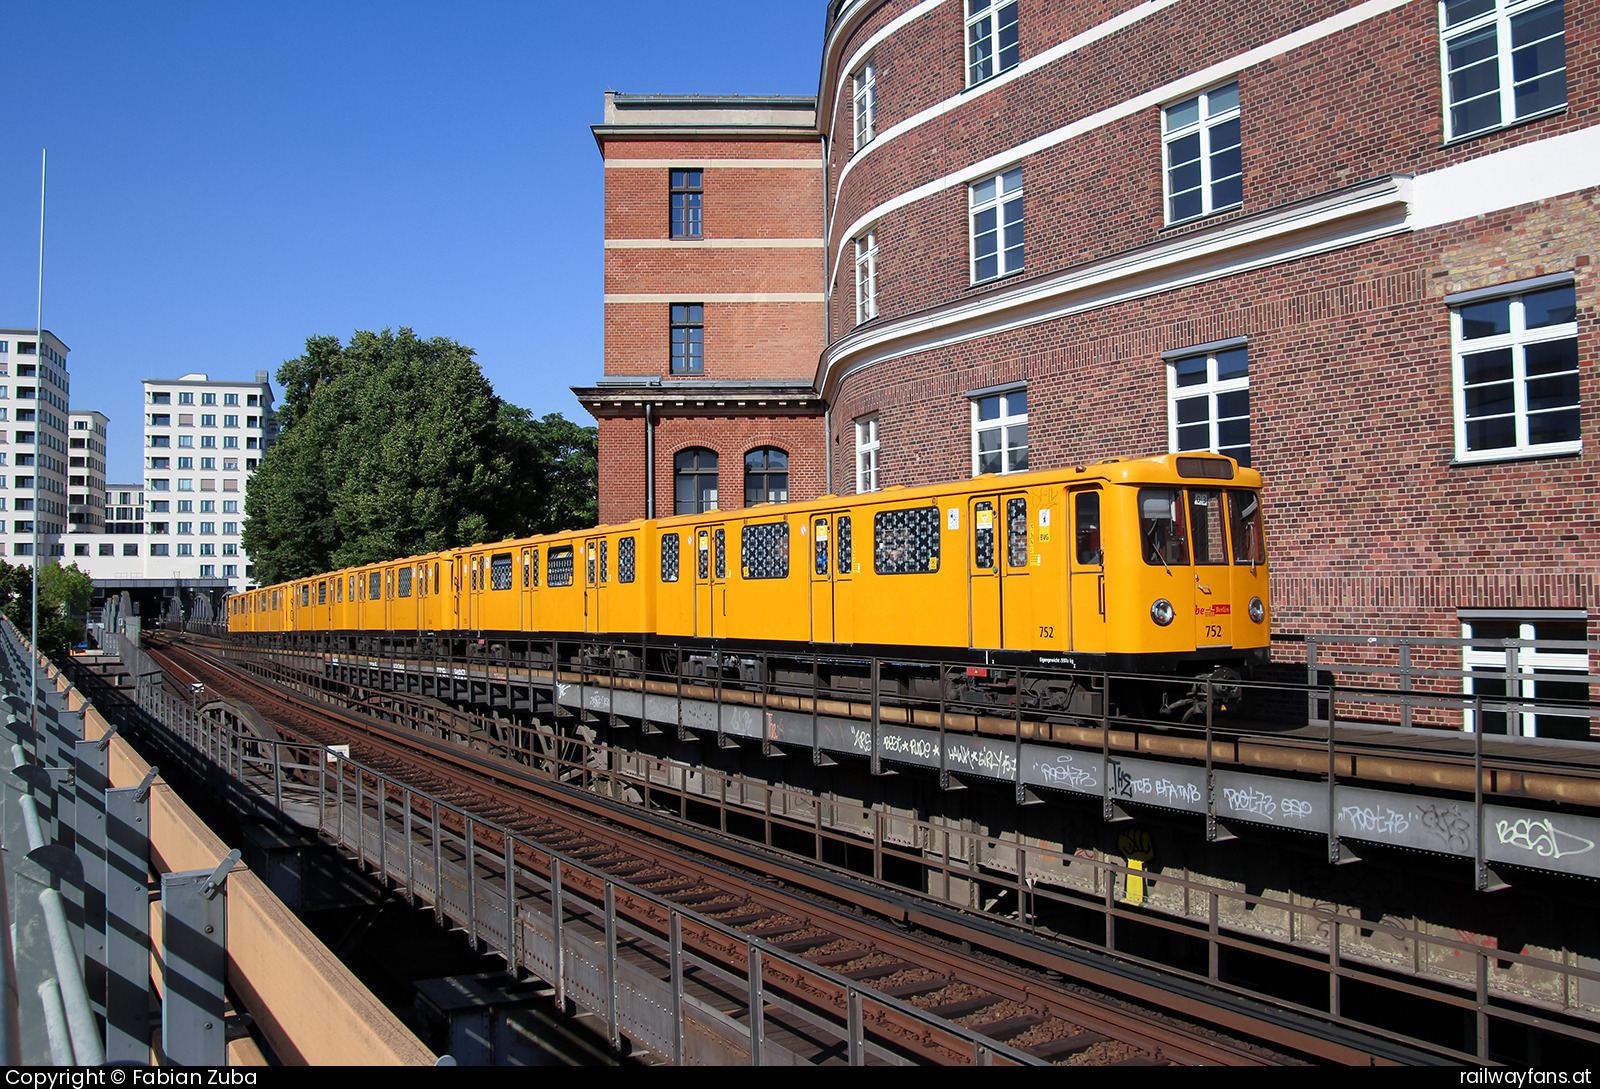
127,887
194,943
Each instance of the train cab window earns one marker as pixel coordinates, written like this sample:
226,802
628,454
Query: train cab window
1162,527
983,536
764,551
1016,532
1086,513
402,580
559,569
322,593
1205,522
819,546
375,586
906,542
846,556
669,557
625,559
500,571
1244,521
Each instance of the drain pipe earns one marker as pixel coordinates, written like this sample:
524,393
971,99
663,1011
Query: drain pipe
649,460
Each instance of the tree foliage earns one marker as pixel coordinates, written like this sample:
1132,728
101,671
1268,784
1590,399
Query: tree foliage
63,591
393,446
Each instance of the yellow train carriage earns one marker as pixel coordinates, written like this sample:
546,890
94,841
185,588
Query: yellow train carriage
1150,563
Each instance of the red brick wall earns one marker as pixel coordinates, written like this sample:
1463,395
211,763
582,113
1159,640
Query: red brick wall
1100,193
622,458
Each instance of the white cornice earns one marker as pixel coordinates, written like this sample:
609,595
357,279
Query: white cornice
1341,219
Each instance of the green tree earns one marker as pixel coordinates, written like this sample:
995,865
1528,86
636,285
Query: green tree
63,592
394,446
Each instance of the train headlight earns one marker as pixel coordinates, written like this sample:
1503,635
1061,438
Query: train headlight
1162,612
1258,611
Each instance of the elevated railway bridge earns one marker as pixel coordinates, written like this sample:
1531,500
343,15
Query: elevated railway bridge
1329,875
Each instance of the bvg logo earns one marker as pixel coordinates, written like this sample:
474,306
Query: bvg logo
1213,610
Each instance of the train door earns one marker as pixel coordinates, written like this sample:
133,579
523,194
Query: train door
997,558
710,579
1213,575
1087,564
595,579
832,614
529,568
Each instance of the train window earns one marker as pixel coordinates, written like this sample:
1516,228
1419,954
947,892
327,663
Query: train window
605,561
625,561
534,567
1162,527
1244,520
1016,532
559,569
375,586
402,579
500,571
1205,519
527,569
722,552
906,542
589,552
845,553
703,565
338,591
1087,513
764,550
819,546
669,557
983,536
352,587
305,594
322,593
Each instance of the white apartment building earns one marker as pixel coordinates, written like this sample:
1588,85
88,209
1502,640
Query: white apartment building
86,472
33,444
203,439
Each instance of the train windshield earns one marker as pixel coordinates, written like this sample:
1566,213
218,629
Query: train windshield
1205,518
1244,521
1162,527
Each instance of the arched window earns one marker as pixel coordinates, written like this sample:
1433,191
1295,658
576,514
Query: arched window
766,476
694,478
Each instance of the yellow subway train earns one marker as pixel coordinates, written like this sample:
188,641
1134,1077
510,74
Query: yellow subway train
1153,565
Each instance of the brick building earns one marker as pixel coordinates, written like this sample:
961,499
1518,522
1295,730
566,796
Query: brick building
713,304
1349,243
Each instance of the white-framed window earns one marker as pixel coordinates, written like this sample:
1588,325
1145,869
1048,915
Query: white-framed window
864,99
1515,364
1514,681
995,216
992,42
1208,399
866,277
999,431
1205,168
867,454
1504,61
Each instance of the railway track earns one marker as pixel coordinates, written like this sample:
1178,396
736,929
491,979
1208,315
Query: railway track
1014,1008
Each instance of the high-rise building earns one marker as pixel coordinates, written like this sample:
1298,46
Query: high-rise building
86,471
203,439
33,444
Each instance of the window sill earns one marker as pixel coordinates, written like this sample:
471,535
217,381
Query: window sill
1203,217
1467,138
997,279
1462,461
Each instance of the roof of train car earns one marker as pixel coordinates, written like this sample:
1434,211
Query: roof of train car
1156,467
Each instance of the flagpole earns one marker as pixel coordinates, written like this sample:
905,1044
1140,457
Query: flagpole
38,347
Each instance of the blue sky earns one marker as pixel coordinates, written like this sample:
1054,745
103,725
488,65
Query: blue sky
226,179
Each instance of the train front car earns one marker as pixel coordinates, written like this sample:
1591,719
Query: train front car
1186,581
